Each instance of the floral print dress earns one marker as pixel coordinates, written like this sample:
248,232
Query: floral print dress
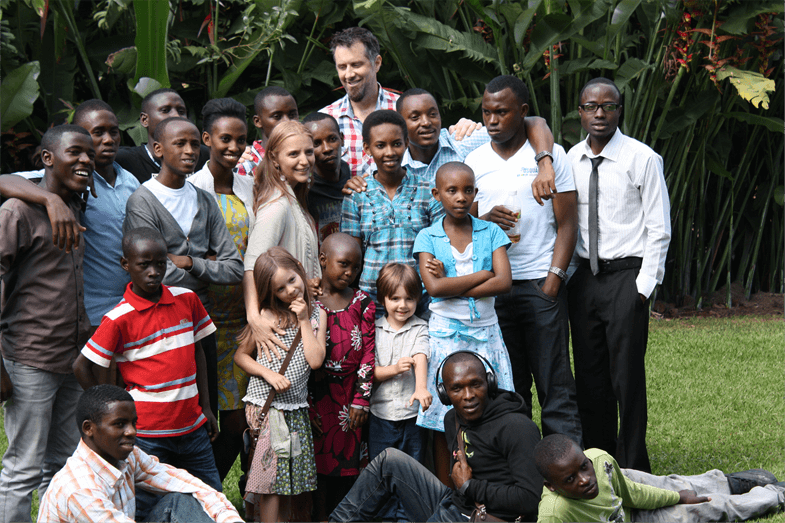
345,379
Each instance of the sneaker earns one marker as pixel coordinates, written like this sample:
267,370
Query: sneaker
744,481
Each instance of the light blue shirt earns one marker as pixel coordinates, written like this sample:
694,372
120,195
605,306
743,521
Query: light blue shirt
450,150
104,279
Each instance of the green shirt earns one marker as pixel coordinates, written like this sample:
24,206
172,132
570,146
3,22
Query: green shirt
616,493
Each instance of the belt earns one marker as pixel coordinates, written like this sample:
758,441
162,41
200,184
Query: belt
619,264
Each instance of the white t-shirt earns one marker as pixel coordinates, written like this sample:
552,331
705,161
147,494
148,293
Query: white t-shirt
182,203
531,257
458,308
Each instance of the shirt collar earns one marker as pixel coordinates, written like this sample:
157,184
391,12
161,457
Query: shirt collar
122,177
371,180
411,322
140,304
102,469
437,229
612,149
346,105
444,143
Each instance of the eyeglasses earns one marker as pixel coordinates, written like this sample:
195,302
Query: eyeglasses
591,108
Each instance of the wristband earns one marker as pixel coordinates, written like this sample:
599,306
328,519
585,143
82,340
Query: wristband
558,272
542,155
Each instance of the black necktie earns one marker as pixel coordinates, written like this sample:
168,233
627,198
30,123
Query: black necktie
594,221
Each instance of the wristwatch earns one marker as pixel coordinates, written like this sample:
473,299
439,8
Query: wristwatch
558,272
542,155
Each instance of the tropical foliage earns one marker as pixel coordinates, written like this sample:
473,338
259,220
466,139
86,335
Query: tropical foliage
701,83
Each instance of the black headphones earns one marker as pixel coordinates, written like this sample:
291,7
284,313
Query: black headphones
490,377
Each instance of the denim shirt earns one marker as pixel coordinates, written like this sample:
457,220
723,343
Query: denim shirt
486,238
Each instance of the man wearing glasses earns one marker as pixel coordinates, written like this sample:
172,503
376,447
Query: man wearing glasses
624,233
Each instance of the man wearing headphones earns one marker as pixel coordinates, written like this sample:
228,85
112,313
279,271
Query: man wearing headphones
492,443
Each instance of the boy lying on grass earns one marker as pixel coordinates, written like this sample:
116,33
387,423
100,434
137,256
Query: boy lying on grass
590,486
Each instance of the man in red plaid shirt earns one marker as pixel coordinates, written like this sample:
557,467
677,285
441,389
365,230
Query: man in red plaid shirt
357,59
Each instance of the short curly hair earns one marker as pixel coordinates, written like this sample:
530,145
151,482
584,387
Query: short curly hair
94,403
350,36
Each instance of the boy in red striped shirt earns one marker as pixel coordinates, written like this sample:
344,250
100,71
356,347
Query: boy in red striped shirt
153,334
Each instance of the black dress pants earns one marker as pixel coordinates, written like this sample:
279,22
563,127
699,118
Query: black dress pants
610,329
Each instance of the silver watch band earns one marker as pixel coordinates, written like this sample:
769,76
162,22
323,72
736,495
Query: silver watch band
542,155
558,272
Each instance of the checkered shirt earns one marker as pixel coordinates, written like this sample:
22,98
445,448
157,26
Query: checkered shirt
298,371
257,152
88,489
387,229
450,150
352,129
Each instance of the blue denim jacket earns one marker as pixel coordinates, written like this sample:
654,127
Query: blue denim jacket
486,238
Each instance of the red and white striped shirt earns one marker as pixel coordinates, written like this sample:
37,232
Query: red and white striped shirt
89,489
153,345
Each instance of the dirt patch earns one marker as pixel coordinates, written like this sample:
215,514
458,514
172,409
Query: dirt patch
716,305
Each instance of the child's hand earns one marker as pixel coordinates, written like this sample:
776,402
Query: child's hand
279,382
404,364
316,425
315,284
212,424
435,267
357,418
181,262
299,308
355,184
423,396
247,155
690,497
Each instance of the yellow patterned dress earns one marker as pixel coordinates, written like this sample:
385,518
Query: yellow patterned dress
229,310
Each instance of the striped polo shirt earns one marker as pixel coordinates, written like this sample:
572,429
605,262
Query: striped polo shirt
153,345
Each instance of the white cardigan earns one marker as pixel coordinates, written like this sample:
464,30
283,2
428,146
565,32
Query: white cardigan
283,222
242,187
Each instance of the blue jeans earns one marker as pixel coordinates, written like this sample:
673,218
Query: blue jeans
42,434
176,507
192,452
393,473
536,333
403,435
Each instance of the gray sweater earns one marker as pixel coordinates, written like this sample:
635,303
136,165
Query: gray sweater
208,234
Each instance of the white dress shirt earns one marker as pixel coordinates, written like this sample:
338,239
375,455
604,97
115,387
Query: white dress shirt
633,205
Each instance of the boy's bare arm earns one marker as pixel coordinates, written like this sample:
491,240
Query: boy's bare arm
541,138
565,210
66,229
204,395
384,373
421,393
83,370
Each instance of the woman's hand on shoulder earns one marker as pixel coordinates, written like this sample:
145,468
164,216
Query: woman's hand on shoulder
264,327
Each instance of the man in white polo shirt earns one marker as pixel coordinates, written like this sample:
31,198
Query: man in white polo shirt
533,315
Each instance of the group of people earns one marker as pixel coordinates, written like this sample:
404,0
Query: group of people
331,301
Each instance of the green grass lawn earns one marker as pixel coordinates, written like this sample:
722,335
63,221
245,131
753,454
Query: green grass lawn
716,398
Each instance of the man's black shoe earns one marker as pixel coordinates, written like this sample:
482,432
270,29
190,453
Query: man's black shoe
744,481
